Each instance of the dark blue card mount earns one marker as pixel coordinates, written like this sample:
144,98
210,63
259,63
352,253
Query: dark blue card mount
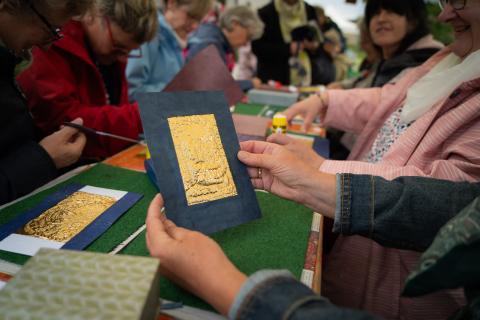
91,232
207,217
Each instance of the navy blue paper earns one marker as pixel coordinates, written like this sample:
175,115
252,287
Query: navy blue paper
322,147
209,217
90,232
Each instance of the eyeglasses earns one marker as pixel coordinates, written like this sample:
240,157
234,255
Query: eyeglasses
56,32
456,4
120,49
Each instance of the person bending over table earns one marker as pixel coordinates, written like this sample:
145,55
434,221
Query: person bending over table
162,57
83,74
409,211
26,160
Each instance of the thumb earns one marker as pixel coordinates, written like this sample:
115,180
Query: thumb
279,138
78,121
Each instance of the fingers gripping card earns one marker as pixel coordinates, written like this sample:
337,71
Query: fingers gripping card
193,144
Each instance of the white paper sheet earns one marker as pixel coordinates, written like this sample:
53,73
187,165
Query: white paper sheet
27,245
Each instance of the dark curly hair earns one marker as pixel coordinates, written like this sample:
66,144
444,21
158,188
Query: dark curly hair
414,10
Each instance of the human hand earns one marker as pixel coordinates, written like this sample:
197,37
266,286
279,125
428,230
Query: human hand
274,168
282,173
65,146
300,149
192,260
308,109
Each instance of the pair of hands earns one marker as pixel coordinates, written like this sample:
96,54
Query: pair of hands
65,146
195,261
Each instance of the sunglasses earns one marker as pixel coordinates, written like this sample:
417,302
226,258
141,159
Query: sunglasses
56,33
118,48
456,4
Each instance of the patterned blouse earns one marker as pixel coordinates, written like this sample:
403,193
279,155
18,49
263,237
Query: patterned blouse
388,134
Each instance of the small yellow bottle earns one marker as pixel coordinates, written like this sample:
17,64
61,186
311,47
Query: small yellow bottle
279,123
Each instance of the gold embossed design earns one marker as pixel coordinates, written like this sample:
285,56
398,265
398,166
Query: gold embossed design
70,216
203,164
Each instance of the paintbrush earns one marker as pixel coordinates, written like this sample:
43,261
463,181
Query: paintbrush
87,130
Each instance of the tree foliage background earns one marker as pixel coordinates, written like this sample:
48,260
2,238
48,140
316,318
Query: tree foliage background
441,31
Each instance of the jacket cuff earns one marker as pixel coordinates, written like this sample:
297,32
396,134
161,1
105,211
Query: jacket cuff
355,212
270,294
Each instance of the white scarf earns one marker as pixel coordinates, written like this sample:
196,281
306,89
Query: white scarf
439,83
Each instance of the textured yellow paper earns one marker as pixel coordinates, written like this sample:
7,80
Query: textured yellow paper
70,216
203,164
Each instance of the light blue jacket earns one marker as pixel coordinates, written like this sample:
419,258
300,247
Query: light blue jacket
160,62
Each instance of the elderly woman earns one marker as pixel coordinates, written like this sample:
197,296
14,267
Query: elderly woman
83,74
162,57
236,27
426,124
26,162
440,100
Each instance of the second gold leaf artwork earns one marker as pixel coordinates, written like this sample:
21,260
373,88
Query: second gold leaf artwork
70,216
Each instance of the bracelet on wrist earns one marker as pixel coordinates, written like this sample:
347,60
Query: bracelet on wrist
320,96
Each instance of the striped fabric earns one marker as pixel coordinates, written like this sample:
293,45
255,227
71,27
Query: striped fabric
444,143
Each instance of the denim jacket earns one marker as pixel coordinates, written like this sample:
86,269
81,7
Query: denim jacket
404,213
161,60
277,295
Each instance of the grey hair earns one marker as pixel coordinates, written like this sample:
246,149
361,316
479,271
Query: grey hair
245,17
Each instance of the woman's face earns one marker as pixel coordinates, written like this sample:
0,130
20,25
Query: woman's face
179,19
32,28
238,36
466,26
387,30
107,39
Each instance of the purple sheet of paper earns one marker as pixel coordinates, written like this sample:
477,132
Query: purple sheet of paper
206,72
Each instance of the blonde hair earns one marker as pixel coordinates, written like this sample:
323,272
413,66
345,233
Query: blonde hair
245,17
67,8
197,9
136,17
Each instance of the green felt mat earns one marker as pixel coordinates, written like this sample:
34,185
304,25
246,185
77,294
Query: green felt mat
277,241
257,109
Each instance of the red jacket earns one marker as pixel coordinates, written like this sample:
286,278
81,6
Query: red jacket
64,83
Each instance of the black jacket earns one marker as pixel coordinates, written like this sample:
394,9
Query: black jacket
389,69
24,164
271,51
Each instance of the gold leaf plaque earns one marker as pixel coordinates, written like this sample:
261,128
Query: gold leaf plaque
70,216
203,164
